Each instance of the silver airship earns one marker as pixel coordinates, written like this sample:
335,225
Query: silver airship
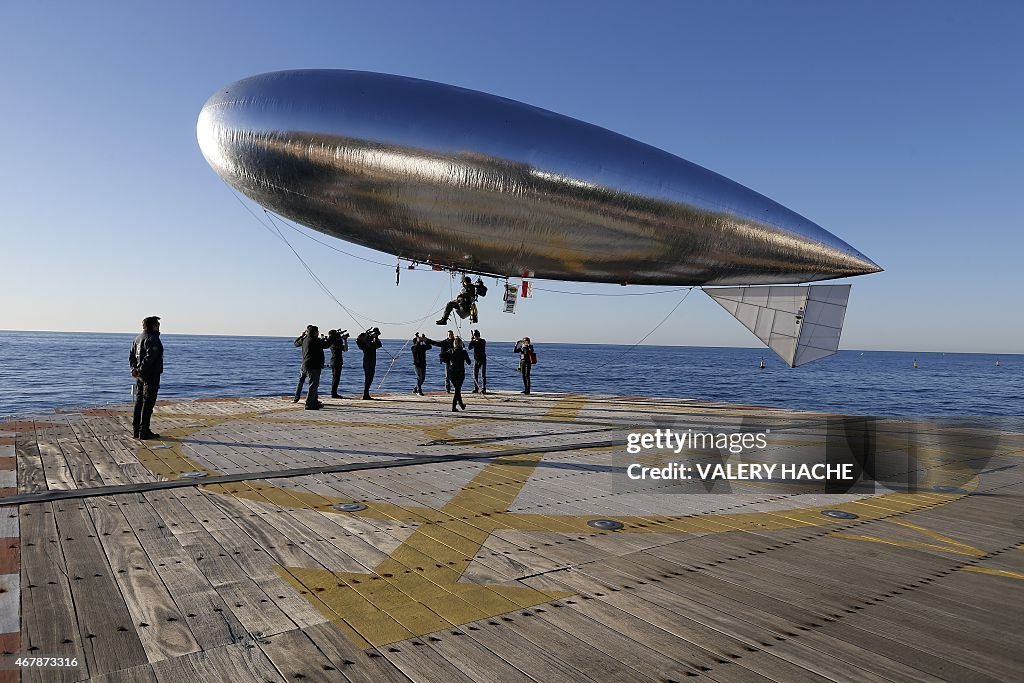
470,181
473,182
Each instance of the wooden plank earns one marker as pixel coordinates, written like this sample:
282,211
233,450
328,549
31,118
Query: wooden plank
212,623
744,630
640,645
761,591
48,613
838,570
172,512
240,662
967,648
58,474
106,467
137,674
548,653
503,639
467,656
31,478
795,642
211,558
298,658
720,646
696,659
259,613
357,666
82,469
159,622
106,628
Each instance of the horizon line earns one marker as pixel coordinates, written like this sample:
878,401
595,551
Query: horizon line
693,346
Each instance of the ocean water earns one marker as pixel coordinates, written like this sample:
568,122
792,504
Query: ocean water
44,371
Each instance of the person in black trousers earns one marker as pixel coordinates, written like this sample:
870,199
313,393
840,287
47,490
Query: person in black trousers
446,346
302,368
420,346
457,372
527,357
338,339
313,346
146,360
368,342
478,346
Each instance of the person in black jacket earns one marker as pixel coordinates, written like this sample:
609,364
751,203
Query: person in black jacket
368,342
146,360
478,346
313,346
420,346
458,356
446,346
527,357
338,340
302,367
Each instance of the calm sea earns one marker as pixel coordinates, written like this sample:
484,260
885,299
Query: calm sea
42,371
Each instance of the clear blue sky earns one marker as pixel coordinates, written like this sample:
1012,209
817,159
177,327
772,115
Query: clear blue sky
897,126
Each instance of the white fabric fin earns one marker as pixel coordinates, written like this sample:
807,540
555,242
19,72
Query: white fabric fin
801,323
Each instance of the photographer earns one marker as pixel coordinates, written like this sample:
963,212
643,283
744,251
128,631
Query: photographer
338,340
368,342
478,346
527,358
313,346
420,346
302,368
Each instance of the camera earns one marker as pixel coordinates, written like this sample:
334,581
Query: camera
340,333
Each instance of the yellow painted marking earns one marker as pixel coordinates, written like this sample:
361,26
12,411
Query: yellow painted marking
417,589
1006,573
948,545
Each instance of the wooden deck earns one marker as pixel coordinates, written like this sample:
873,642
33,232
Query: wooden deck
468,557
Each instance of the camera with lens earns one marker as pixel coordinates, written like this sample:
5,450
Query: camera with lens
339,333
373,332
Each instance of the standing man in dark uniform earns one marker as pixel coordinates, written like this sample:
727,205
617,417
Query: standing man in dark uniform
527,358
446,346
420,346
313,346
338,339
458,356
478,346
147,363
368,342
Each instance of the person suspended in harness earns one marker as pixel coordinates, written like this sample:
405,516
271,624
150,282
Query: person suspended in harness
465,303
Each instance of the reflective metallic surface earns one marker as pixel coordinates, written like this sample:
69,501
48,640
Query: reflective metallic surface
434,173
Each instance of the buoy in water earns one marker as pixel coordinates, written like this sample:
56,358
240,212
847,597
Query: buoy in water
915,365
997,363
762,364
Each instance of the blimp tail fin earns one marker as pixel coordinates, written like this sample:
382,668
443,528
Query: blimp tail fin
800,324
